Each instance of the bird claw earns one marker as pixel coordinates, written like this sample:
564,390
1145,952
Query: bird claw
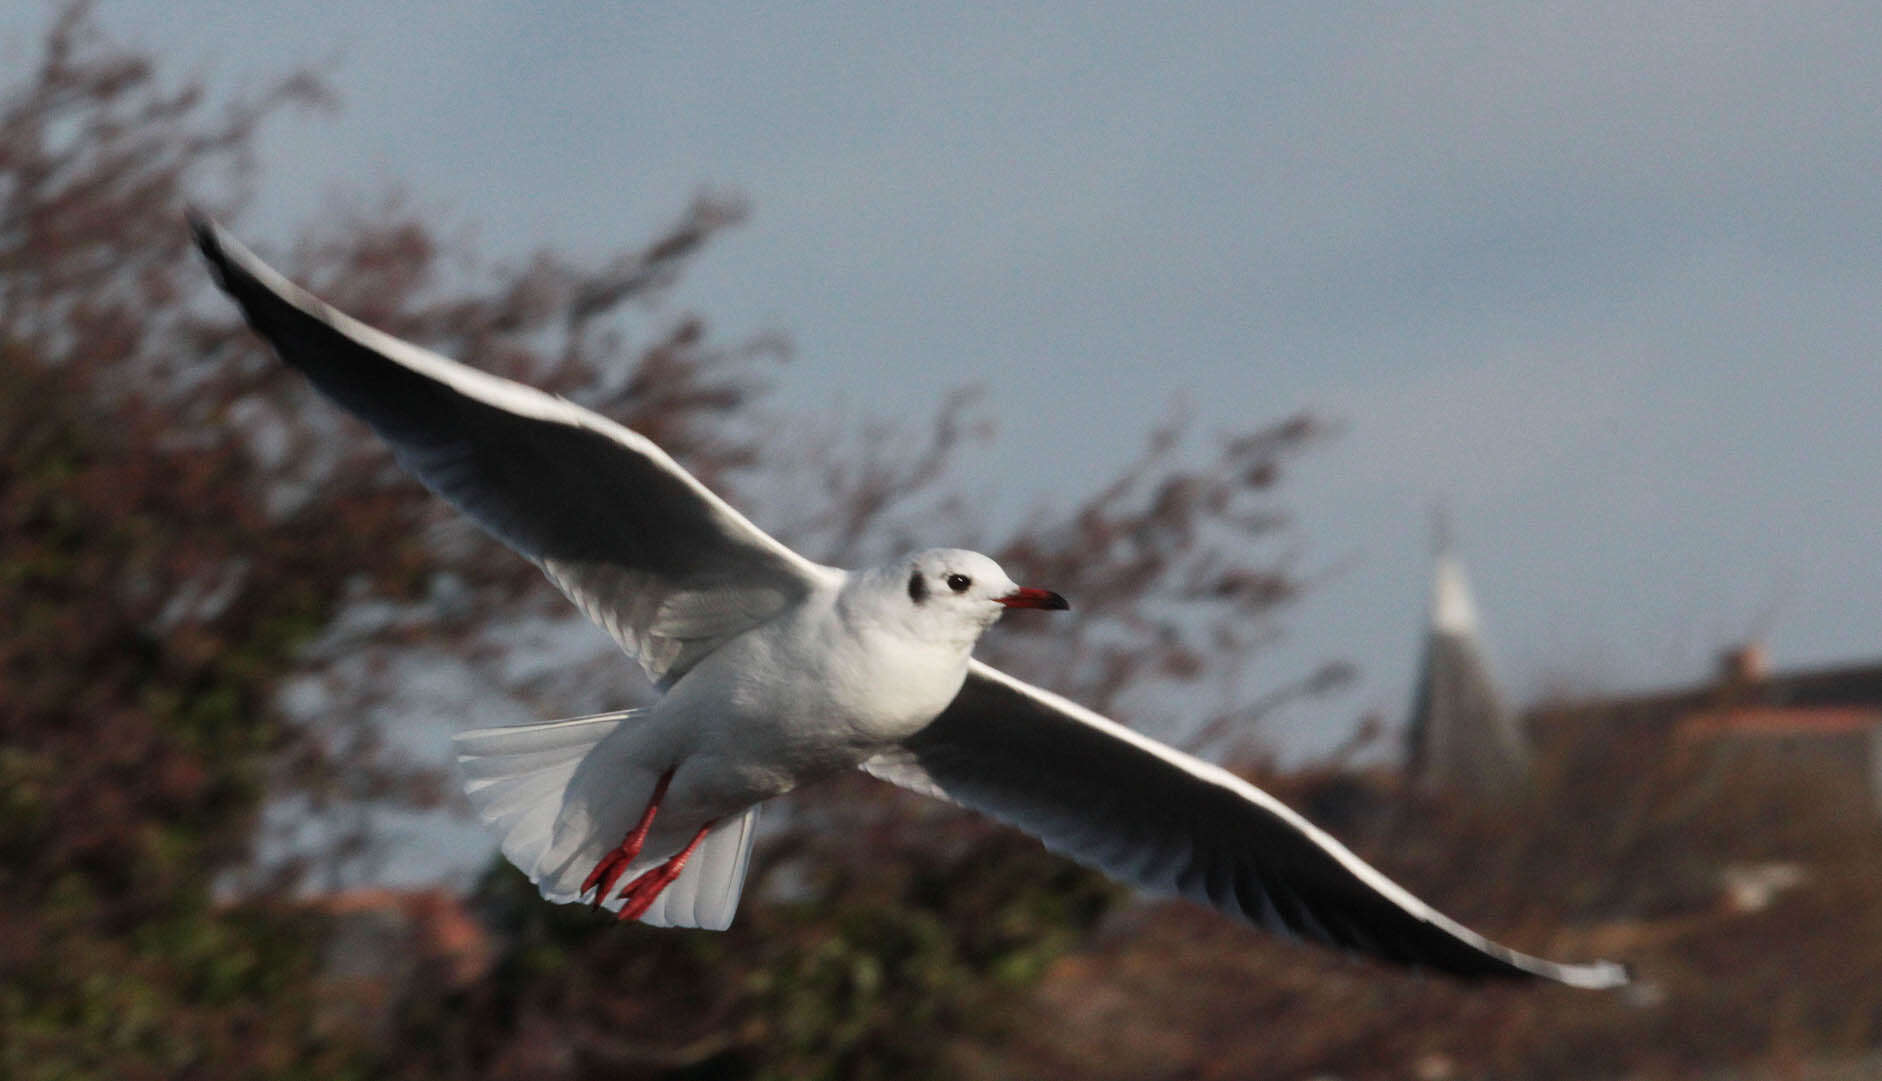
612,866
607,872
641,893
647,886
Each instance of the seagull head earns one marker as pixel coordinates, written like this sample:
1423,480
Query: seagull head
954,594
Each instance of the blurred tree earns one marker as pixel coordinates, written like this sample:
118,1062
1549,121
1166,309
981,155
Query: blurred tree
176,529
150,604
184,530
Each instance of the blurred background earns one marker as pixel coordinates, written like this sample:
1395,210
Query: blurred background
1456,421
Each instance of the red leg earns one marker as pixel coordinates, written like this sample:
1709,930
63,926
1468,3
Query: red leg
615,863
641,893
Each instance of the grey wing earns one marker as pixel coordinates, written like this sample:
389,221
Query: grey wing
668,568
1163,821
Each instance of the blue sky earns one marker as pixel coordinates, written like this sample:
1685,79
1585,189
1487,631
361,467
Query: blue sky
1603,277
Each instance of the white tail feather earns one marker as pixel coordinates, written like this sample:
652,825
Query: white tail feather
520,780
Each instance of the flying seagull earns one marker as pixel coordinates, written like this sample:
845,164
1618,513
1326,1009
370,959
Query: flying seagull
775,671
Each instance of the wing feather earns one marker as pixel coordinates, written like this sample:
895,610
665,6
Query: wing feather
1170,823
615,522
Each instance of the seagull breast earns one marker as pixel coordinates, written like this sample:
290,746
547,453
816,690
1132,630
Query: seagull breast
817,687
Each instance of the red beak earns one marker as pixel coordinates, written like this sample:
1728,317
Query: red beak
1034,598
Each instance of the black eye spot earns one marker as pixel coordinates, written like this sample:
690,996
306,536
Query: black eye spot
917,588
959,582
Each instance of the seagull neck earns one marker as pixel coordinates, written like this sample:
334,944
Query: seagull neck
860,603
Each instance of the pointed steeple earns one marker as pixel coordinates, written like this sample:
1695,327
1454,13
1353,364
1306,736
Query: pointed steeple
1452,610
1462,735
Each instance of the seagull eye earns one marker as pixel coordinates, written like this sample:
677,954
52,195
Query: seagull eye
959,582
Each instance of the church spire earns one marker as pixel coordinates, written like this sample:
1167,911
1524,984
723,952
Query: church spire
1461,734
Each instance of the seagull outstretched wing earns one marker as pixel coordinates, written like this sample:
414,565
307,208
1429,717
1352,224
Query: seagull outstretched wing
1159,819
648,552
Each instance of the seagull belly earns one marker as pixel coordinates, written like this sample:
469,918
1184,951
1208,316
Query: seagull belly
788,703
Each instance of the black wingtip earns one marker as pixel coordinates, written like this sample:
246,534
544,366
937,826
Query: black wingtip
208,237
202,228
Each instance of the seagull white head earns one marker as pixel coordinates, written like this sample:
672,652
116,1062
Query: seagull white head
952,594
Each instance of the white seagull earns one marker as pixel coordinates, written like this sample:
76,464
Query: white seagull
776,671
